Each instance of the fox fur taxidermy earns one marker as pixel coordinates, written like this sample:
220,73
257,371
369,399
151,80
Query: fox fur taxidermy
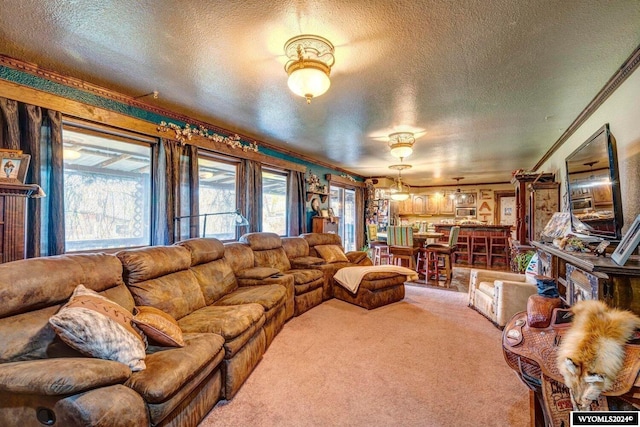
592,351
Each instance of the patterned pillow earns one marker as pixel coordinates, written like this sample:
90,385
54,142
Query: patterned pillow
331,253
158,326
98,327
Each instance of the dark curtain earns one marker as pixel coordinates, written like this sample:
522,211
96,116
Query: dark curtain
175,192
252,180
360,218
38,132
297,213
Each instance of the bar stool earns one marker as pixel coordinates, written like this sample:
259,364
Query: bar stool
499,249
432,268
381,255
479,248
421,262
439,255
463,249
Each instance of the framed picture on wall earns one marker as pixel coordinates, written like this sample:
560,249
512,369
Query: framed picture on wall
628,244
13,166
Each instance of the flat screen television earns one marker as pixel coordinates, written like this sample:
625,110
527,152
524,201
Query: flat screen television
593,187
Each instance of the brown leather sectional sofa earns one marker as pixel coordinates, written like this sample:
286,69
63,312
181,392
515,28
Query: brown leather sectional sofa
230,300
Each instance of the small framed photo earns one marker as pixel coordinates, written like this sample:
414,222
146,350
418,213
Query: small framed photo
628,244
13,166
331,214
324,213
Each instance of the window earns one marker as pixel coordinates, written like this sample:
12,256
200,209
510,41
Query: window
343,203
106,190
274,202
217,193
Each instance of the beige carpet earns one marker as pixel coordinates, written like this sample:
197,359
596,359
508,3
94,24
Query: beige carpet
428,360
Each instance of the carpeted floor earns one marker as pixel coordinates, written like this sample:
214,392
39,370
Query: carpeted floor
428,360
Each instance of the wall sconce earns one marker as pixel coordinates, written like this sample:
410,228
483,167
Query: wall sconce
309,65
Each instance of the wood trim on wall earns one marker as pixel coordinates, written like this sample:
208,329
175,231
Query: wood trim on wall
343,181
104,115
78,110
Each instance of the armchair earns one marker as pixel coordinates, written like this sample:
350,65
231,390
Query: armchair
499,295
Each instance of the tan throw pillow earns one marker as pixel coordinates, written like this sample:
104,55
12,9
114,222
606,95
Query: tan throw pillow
158,326
331,253
98,327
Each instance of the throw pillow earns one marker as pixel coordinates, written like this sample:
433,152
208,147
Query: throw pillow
158,326
331,253
98,327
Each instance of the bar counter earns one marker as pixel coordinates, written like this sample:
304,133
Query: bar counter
475,229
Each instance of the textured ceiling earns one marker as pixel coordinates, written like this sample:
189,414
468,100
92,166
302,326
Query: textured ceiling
489,85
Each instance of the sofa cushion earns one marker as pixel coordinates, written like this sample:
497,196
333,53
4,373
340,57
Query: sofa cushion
487,288
303,276
275,258
216,279
261,241
295,247
331,253
228,321
239,256
158,326
98,327
168,369
177,293
155,261
257,273
203,249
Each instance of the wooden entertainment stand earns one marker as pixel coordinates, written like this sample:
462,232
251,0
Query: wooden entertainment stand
586,276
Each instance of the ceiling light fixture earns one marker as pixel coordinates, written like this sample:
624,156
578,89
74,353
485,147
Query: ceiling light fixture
309,65
457,196
401,144
399,191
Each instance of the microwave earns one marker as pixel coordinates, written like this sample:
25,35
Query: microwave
465,212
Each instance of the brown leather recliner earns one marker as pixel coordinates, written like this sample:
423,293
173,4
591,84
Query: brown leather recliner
240,258
42,380
268,252
161,277
220,287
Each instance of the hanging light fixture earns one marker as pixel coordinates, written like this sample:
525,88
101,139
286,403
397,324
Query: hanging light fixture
399,191
401,144
309,65
458,196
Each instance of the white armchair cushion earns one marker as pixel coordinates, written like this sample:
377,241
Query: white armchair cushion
498,295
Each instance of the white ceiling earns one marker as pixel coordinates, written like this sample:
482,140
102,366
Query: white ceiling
489,85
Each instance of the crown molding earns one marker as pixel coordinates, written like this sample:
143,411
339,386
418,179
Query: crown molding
78,84
627,68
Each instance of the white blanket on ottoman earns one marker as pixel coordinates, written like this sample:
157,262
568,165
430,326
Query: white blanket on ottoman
350,277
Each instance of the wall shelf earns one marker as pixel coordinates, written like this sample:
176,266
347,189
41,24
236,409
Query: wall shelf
323,196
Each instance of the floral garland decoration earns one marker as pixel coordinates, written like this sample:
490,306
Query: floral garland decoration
349,177
183,134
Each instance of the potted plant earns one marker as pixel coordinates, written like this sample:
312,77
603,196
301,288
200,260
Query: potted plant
521,261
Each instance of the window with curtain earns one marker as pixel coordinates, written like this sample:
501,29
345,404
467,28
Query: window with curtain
274,201
343,203
217,193
107,196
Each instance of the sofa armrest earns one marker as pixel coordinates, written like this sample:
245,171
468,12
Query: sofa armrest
306,262
511,298
357,257
62,376
257,273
